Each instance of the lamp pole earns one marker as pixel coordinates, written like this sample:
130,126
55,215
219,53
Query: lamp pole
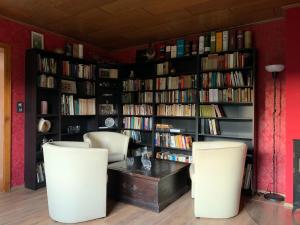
272,195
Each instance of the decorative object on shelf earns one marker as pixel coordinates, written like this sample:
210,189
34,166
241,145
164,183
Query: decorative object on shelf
50,82
68,49
44,107
44,125
109,122
59,51
248,39
131,75
272,195
130,161
107,109
150,52
68,86
146,160
43,81
37,40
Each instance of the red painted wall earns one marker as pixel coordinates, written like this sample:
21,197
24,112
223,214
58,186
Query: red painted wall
268,39
18,36
292,50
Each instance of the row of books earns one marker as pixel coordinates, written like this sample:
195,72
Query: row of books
211,111
135,122
180,82
79,70
47,65
86,88
80,106
176,110
211,126
40,173
221,80
179,49
226,61
138,85
173,141
134,135
108,73
174,157
142,110
224,41
238,95
186,96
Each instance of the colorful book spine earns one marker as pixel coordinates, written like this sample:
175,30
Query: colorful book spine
219,41
213,42
201,44
225,40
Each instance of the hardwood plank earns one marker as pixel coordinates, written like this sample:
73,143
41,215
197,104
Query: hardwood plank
23,206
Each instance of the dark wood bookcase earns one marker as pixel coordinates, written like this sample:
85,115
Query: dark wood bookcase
237,122
60,120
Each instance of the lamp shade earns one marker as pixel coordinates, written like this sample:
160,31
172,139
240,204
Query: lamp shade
274,68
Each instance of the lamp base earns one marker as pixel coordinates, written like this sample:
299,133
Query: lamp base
274,197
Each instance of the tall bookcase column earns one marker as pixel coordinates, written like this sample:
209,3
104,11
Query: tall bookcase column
42,97
227,102
78,99
108,94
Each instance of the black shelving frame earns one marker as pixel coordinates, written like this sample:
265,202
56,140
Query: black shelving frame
147,70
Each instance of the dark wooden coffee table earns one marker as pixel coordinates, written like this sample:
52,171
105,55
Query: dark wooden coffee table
154,189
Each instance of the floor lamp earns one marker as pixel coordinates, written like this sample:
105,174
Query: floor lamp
274,69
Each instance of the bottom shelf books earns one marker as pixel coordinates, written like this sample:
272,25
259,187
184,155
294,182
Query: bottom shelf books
173,141
40,173
247,176
174,157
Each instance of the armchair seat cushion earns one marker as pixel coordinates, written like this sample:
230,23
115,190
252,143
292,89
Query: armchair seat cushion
114,157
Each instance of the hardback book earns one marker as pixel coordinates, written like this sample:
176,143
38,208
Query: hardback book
213,42
207,42
232,40
225,40
80,51
180,47
168,51
240,39
187,48
173,51
219,41
201,44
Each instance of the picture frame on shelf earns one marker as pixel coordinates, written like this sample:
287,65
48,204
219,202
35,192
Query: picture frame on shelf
37,40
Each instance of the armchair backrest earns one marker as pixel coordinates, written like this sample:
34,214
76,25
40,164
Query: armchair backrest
76,179
113,141
219,168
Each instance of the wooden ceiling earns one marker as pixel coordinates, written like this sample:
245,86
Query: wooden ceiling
115,24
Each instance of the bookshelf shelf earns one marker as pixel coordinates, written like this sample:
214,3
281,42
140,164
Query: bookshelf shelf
47,134
176,117
250,50
234,87
227,136
227,70
176,133
226,118
226,103
47,115
137,129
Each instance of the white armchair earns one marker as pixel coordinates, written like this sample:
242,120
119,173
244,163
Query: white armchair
76,179
217,176
116,143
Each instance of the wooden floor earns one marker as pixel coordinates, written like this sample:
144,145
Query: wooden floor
22,206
